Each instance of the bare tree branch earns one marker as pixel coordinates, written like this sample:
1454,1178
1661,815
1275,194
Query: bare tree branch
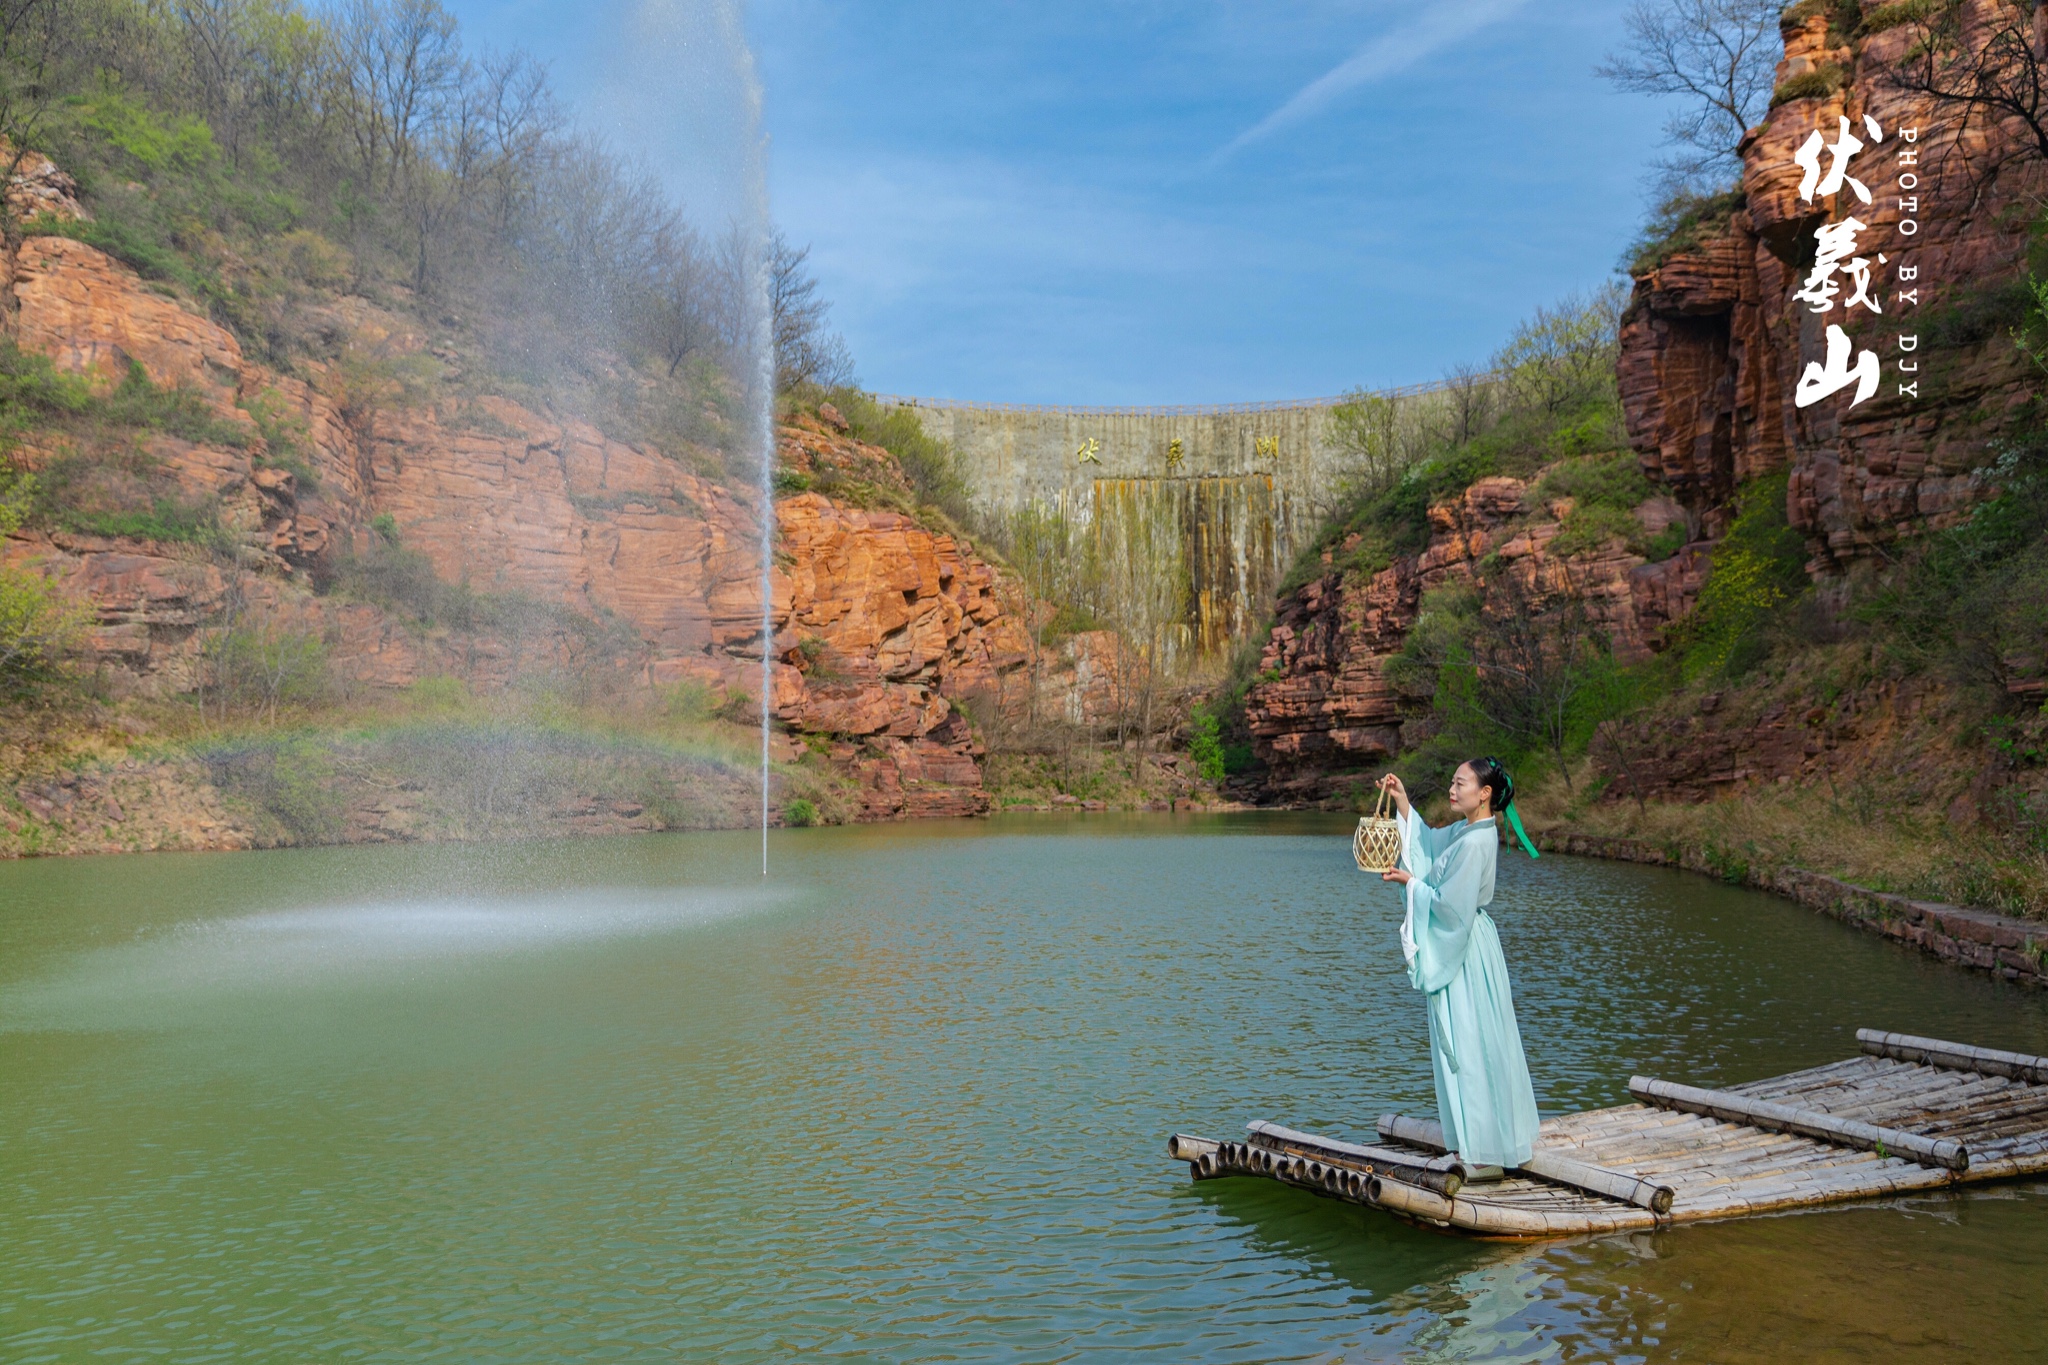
1720,58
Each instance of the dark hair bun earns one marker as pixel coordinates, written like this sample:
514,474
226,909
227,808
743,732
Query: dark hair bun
1488,772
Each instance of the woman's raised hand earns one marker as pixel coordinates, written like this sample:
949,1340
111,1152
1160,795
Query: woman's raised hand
1394,787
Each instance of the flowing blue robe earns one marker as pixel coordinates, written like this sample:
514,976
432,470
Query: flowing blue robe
1483,1095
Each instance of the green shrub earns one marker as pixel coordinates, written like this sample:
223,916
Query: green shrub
170,521
1068,619
439,693
928,463
1593,525
1679,225
136,402
153,142
1616,481
1604,492
1665,543
800,813
122,492
738,707
261,666
1969,600
1758,567
1205,745
402,581
38,631
1815,84
1972,316
296,781
31,388
1843,17
38,627
692,700
34,391
145,254
167,201
1892,15
284,436
1372,553
306,256
1596,427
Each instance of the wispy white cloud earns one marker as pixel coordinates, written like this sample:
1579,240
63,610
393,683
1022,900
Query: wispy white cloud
1436,25
1052,285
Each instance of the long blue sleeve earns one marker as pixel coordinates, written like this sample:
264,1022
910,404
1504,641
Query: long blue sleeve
1442,905
1429,841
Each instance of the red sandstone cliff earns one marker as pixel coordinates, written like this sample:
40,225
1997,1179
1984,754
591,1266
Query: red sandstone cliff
884,627
1324,712
1713,343
1711,348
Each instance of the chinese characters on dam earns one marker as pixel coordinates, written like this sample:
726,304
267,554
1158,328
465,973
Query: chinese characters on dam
1838,251
1090,451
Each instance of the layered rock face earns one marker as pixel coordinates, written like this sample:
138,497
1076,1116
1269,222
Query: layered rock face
1714,341
1325,711
883,628
1712,347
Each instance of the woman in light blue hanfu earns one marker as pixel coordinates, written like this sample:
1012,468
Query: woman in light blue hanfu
1483,1095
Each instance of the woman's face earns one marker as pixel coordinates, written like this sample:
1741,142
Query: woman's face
1468,798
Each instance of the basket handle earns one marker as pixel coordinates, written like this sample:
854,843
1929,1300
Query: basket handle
1379,807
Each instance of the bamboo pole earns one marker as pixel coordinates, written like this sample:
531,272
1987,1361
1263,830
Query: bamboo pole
1442,1175
1552,1166
1907,1083
1490,1219
1811,1123
1905,1047
1188,1147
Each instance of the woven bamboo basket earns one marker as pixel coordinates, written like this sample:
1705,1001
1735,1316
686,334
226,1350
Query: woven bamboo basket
1377,844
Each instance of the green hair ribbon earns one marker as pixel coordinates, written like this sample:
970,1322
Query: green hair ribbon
1515,821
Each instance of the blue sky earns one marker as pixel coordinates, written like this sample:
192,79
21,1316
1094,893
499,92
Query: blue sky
1136,201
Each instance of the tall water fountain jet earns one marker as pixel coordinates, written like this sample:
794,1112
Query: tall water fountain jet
761,372
681,92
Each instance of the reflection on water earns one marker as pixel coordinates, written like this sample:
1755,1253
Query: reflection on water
1483,1315
611,1099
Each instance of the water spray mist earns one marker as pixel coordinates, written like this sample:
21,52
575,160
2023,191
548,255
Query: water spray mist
681,93
761,348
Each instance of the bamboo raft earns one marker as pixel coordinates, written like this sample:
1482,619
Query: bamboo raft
1905,1114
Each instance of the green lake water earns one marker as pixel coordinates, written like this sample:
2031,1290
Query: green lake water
908,1100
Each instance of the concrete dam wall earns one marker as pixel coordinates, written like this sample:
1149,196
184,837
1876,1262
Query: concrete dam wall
1238,488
